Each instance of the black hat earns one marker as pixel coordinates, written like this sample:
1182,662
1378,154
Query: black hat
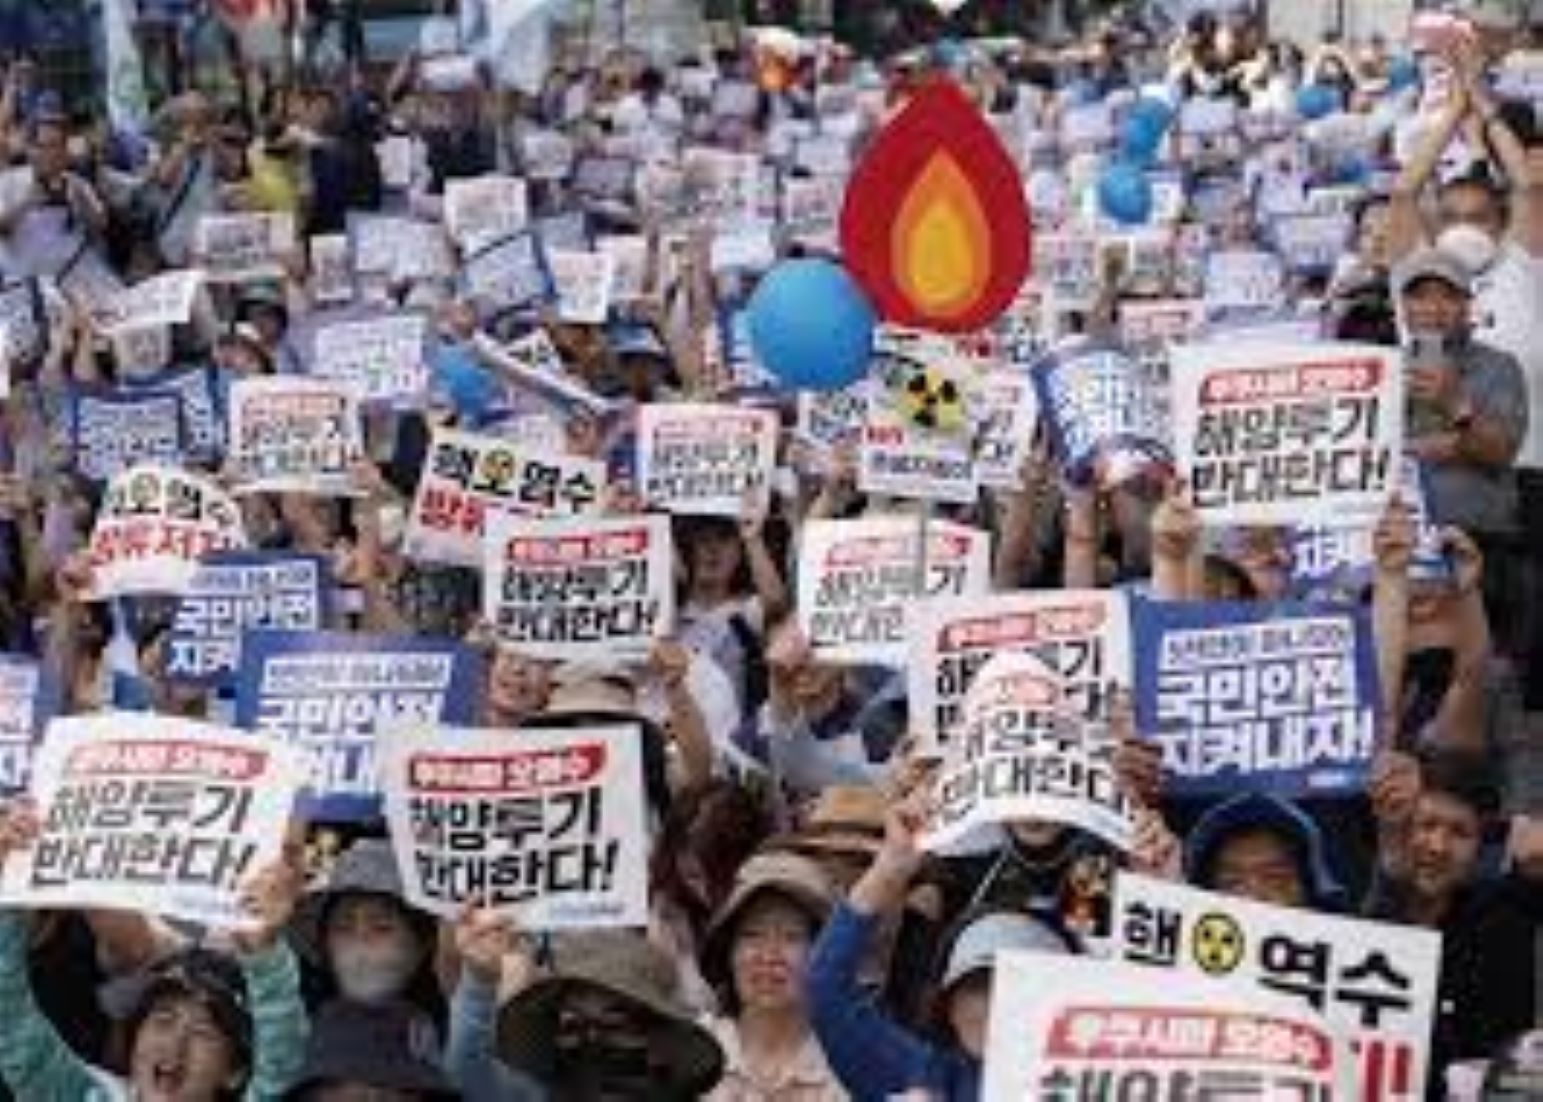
388,1045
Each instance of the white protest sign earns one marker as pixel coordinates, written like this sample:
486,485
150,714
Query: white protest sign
510,273
1244,280
1284,434
481,209
896,459
116,430
21,708
535,366
858,578
399,248
1374,983
1007,413
380,357
237,248
829,419
395,152
705,460
629,265
1313,242
155,814
154,525
1066,268
1065,1027
1160,322
332,279
547,825
467,477
290,435
1083,635
583,283
1020,754
165,299
581,587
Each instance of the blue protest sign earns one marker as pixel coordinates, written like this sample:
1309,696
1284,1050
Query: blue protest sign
510,272
237,591
28,698
1280,698
115,430
1107,412
334,693
203,417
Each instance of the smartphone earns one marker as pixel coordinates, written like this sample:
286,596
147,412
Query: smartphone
1423,418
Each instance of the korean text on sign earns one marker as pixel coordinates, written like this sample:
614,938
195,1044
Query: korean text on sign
466,477
549,825
336,695
1280,434
705,460
581,587
154,525
1375,983
151,813
1283,696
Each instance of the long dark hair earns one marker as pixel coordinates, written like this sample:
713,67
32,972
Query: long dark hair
718,823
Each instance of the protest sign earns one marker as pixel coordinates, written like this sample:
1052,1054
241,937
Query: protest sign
1277,697
546,154
1084,636
1343,560
533,364
23,328
1066,268
604,179
1075,1027
1107,417
398,248
467,477
202,421
395,152
897,459
1374,983
115,430
829,419
857,579
152,813
1021,754
296,436
1160,322
380,357
482,209
811,208
237,591
238,248
706,460
1244,281
511,272
547,825
729,360
165,299
568,229
629,265
1006,415
1280,434
580,587
24,706
1312,244
582,281
332,280
154,524
334,695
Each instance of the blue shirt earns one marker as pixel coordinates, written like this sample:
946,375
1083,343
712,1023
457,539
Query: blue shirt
874,1057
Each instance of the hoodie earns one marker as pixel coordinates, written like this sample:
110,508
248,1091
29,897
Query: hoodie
1258,811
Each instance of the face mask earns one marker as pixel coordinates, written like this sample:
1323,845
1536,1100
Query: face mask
372,973
1469,244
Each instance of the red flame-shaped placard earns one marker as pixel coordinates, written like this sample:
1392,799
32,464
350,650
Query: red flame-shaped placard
935,225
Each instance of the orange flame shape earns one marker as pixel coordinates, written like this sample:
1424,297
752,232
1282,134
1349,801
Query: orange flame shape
935,226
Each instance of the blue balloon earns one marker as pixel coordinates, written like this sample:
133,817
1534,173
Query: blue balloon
1125,193
1314,101
811,325
1140,138
1154,110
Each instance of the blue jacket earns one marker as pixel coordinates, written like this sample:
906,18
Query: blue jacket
874,1057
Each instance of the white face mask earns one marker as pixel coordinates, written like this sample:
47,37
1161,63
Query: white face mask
1469,244
374,972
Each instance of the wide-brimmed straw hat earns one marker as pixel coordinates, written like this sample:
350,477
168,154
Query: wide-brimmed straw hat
792,876
627,967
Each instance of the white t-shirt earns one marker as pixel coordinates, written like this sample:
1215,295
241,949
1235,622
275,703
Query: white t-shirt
1508,315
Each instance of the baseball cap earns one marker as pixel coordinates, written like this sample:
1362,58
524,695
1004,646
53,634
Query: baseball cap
1433,263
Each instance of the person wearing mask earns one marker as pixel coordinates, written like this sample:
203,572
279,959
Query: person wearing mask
874,1056
369,943
1433,820
756,955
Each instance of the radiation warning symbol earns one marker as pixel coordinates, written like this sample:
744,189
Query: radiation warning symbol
1217,944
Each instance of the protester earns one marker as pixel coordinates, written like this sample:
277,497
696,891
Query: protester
724,587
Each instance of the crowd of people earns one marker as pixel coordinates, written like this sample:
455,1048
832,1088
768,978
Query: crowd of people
802,942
